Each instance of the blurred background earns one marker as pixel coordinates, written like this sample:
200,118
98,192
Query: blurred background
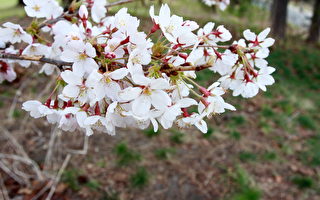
268,149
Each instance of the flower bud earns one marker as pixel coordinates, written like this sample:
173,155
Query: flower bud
110,55
83,12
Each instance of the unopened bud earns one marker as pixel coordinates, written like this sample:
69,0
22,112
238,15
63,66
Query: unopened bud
83,12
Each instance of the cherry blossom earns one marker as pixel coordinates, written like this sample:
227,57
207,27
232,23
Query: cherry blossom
110,75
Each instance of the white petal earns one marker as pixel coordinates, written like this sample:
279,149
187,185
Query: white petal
71,91
160,99
130,93
119,74
141,106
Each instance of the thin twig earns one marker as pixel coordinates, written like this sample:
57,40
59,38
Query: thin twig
53,136
58,63
8,171
4,190
23,152
117,3
42,191
15,99
52,21
84,150
186,68
57,179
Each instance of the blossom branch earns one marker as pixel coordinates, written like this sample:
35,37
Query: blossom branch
42,59
117,3
185,68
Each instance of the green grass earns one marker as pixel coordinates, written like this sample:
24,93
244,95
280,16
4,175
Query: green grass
164,153
70,177
140,178
125,155
209,134
150,132
176,137
303,182
244,187
246,156
306,122
311,156
234,135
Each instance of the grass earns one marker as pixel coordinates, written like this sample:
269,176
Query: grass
164,153
176,137
125,155
140,178
306,122
245,189
303,182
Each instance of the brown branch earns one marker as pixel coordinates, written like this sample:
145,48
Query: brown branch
117,3
185,68
58,63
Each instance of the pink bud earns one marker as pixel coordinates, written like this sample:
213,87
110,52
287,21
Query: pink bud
110,55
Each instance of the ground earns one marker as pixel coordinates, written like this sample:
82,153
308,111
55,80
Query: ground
268,149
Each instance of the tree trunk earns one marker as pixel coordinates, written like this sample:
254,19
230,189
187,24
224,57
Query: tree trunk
279,18
20,3
314,31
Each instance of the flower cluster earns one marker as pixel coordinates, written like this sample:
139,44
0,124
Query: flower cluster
222,4
113,75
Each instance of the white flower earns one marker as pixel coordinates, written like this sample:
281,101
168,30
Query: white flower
260,40
36,109
125,22
14,33
137,58
150,92
82,57
214,103
77,87
36,8
173,27
98,10
7,72
264,77
105,84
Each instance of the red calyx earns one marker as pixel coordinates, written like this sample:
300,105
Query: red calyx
97,109
48,102
154,28
205,92
185,112
205,102
125,41
3,67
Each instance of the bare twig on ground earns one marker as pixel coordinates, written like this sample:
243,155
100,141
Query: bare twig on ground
84,150
15,99
8,171
20,149
53,136
57,179
4,191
